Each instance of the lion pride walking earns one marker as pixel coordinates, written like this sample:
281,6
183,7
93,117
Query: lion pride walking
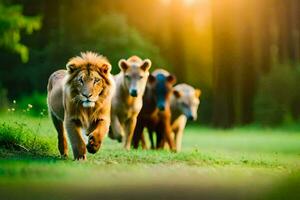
85,100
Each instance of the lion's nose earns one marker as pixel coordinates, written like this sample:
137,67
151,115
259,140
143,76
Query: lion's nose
87,95
191,118
133,92
161,106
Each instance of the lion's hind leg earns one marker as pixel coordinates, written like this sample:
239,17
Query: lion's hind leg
62,138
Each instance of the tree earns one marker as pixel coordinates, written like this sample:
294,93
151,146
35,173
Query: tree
12,23
224,52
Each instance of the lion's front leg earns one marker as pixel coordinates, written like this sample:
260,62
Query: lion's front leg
165,131
77,142
179,132
96,137
117,131
130,126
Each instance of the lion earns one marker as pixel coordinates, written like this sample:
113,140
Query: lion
79,101
184,105
128,99
156,111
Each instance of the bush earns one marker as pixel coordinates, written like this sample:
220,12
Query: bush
35,104
277,91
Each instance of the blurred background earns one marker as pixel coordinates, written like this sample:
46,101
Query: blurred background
243,54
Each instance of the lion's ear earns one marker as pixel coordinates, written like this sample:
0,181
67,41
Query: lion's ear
151,79
197,93
106,68
146,65
177,93
171,79
123,65
71,67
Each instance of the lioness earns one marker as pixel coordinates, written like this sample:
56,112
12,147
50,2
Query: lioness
156,111
184,106
128,99
80,98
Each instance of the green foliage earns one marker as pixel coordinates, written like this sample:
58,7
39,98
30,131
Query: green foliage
3,98
18,137
12,23
276,93
109,34
112,35
34,104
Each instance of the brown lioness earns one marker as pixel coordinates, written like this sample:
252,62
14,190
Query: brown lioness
184,105
156,111
128,98
80,98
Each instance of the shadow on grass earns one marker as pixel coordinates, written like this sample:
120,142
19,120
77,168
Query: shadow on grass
12,154
286,189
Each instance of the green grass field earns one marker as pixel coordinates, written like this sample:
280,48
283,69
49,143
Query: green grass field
242,163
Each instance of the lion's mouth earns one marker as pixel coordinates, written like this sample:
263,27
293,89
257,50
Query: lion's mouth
88,104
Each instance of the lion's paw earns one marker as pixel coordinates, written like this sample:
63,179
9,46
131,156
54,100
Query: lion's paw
80,157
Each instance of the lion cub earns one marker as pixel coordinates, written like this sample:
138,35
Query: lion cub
128,98
184,106
80,98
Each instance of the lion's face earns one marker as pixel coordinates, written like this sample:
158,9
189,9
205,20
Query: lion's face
162,85
88,79
89,87
187,100
135,74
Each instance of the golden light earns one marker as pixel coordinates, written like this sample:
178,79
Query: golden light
189,2
186,2
166,2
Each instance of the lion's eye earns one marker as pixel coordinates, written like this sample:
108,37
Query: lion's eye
184,104
127,77
141,77
81,80
96,80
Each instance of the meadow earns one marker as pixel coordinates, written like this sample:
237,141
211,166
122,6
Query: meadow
243,55
241,163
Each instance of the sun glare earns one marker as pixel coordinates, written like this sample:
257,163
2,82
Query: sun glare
186,2
189,2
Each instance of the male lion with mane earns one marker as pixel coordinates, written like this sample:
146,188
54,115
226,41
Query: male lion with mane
79,101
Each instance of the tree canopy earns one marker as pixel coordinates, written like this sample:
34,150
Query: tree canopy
12,24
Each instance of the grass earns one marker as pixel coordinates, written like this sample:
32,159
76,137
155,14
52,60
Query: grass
242,163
